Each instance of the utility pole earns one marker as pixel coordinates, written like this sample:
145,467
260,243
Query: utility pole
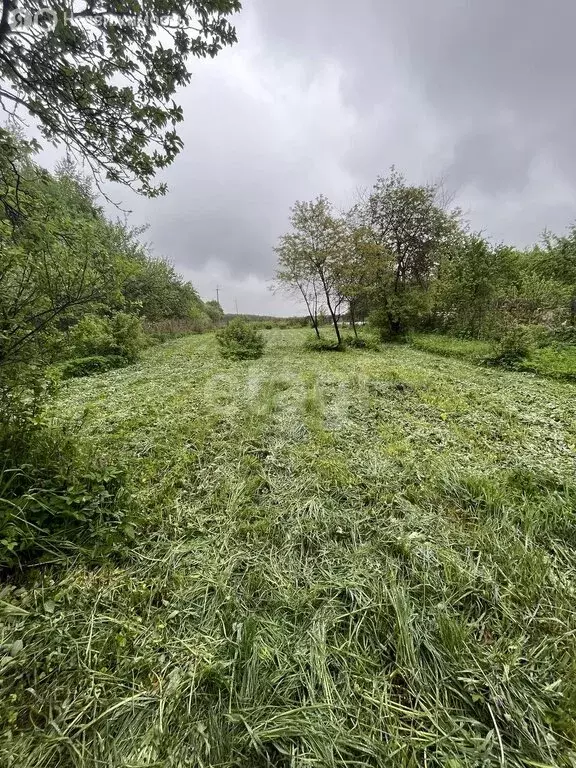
218,294
236,305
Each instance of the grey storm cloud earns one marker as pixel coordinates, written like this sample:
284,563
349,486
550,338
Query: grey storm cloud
323,96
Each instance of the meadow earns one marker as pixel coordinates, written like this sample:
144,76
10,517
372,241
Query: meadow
337,559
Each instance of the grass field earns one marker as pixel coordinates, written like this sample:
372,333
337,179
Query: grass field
556,361
345,559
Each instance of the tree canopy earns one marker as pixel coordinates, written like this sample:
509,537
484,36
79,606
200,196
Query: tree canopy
404,258
102,81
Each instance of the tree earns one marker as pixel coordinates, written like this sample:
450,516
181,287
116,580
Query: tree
61,259
214,311
310,256
102,81
295,277
154,290
472,286
412,228
58,256
556,261
356,271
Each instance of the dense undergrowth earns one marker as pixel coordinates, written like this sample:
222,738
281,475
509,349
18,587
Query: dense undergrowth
364,559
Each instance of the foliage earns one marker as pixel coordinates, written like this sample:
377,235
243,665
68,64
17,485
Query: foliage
405,260
239,341
86,366
345,560
473,283
565,334
363,341
414,231
154,290
473,350
322,344
516,345
52,492
214,312
72,283
311,256
119,335
555,361
58,256
103,82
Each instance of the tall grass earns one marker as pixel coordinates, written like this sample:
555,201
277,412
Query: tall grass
347,560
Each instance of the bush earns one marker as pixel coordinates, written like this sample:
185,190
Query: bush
566,334
239,341
92,336
127,335
95,336
87,366
364,341
315,344
52,492
516,345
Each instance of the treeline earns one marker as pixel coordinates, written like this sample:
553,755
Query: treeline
75,286
78,294
406,261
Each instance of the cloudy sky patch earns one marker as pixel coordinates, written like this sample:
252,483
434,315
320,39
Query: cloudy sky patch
323,96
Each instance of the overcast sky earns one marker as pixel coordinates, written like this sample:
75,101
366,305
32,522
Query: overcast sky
322,96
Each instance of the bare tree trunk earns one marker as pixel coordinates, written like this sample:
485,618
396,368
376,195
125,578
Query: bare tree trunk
334,320
353,319
313,315
329,304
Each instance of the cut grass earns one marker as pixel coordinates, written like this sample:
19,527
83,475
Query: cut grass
554,362
349,560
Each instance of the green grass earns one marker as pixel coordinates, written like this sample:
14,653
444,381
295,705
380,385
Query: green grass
363,559
474,350
556,362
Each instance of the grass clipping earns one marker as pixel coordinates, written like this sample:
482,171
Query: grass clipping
349,560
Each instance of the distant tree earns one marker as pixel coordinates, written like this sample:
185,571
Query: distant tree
295,277
556,260
214,311
154,290
356,272
102,83
412,227
311,254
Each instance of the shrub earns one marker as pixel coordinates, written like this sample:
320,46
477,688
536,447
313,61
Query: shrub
127,335
364,341
516,345
92,336
315,344
87,366
566,334
239,341
52,492
199,322
120,335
